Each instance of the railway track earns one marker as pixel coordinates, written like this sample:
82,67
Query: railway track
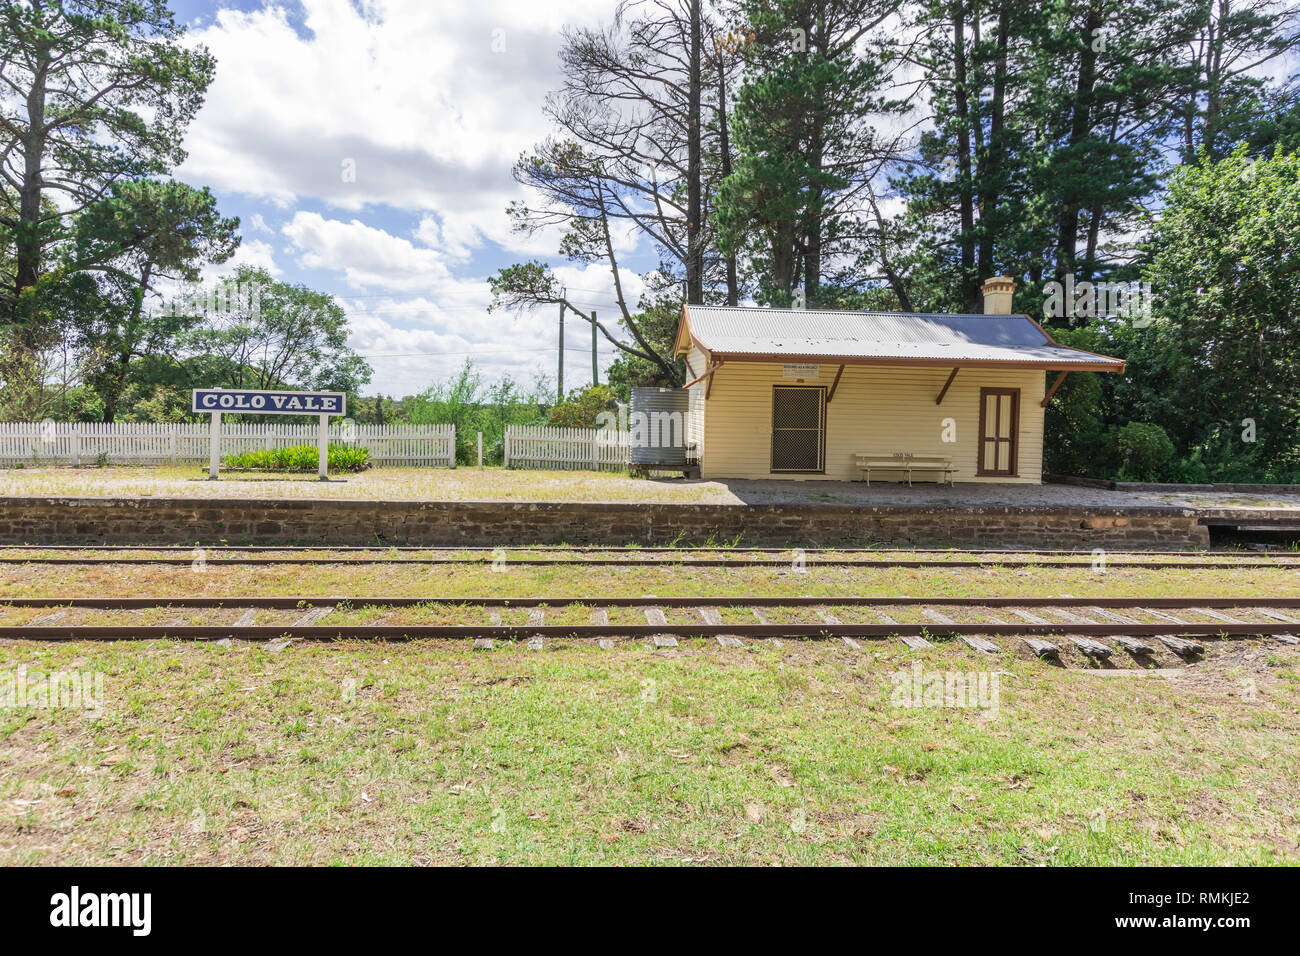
594,548
1176,623
631,549
649,557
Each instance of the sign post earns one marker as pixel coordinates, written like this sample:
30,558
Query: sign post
214,447
215,401
323,440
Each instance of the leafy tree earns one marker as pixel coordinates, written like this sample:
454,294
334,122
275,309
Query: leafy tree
1143,450
107,88
1047,127
150,399
1074,432
143,232
279,336
1227,100
1226,272
38,375
1218,371
805,148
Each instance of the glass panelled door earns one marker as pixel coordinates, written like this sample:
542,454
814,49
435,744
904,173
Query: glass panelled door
999,431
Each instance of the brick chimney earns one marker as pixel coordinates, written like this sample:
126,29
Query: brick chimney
997,295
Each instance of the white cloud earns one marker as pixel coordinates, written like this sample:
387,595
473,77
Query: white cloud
255,253
416,341
366,256
408,93
251,252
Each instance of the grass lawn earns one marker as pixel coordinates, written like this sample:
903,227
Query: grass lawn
769,754
459,484
790,752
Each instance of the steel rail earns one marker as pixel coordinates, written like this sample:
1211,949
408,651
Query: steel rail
673,601
265,561
597,548
398,632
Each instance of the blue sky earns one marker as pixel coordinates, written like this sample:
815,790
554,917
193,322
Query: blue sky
412,96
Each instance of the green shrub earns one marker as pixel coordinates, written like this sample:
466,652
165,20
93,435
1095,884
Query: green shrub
1074,437
1222,458
301,458
582,407
473,407
1144,450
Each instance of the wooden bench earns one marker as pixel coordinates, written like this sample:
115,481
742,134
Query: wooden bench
906,464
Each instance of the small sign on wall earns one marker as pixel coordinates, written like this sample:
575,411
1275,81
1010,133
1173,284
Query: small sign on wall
799,370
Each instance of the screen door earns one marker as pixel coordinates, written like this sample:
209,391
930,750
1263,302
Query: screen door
798,428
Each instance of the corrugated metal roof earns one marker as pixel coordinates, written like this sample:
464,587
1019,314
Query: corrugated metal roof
740,331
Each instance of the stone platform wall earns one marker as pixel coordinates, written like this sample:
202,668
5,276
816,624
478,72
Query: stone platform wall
270,521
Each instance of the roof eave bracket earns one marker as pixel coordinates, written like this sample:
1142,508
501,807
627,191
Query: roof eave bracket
1055,385
834,385
946,385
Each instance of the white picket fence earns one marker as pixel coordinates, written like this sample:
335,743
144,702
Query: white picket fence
542,446
146,443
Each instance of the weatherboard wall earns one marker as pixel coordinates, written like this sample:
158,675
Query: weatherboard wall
877,410
696,365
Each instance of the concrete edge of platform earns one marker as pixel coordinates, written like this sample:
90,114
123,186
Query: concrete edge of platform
1173,487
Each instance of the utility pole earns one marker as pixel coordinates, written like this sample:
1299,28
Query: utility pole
560,384
694,210
595,369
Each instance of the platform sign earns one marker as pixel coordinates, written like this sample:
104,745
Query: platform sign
215,401
257,402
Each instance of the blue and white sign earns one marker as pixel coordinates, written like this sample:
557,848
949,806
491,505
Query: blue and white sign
217,401
257,402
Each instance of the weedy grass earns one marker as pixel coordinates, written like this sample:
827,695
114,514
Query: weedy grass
786,752
515,578
442,484
777,752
